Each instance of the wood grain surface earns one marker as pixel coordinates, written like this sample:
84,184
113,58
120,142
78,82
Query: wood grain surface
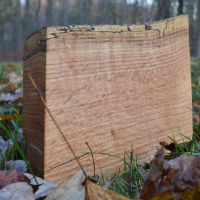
111,86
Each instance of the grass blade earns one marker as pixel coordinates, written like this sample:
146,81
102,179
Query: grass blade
16,145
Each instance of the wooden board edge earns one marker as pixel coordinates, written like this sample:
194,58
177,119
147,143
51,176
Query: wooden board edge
158,29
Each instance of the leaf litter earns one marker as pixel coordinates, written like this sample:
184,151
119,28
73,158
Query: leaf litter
172,179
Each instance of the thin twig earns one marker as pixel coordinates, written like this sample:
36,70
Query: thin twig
92,158
53,119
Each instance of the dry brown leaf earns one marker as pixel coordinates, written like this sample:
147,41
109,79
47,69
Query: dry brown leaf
9,118
11,176
172,146
94,191
173,178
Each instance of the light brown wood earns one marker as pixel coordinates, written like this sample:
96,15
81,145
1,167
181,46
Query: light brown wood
111,86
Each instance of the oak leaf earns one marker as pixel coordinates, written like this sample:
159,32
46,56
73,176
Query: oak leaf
94,191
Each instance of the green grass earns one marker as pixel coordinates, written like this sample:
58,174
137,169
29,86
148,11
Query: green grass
189,146
11,116
128,181
17,151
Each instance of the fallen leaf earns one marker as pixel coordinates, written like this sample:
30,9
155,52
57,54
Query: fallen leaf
172,147
192,194
10,87
45,187
173,178
163,197
70,189
11,176
96,192
17,191
9,118
144,173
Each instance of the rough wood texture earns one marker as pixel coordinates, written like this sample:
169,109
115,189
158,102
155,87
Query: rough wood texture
110,86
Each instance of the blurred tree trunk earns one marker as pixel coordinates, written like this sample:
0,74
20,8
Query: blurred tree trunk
81,12
143,10
198,29
85,13
180,7
37,12
16,21
63,14
135,12
190,11
2,24
103,8
163,9
90,13
111,17
6,12
124,12
153,9
49,13
28,19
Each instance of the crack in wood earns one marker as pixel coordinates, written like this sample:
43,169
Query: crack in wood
54,36
92,28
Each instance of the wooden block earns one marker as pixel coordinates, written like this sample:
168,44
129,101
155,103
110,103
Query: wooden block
111,86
